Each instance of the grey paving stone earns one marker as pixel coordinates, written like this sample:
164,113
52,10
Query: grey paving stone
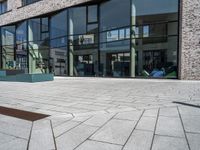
194,141
147,123
115,131
98,120
189,111
58,130
69,110
191,123
5,138
15,130
59,119
139,140
151,113
130,115
90,107
95,145
103,96
169,143
16,121
81,118
17,144
169,126
169,112
74,137
41,137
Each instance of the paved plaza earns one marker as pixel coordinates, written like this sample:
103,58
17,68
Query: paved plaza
102,114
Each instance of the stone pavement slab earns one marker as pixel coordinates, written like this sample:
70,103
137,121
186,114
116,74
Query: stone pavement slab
139,140
42,136
147,123
194,141
169,143
102,114
95,145
5,138
64,127
191,123
115,131
16,144
169,126
74,137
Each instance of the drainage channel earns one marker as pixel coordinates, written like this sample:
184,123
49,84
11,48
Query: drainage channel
21,114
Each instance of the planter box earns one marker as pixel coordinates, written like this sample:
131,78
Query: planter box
2,73
28,78
11,72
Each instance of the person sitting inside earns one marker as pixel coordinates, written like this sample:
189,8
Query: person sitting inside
158,72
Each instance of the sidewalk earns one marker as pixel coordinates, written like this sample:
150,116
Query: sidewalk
102,114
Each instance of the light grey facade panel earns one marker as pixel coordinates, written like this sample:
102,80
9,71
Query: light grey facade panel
190,40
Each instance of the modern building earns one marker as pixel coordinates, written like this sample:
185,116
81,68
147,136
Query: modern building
102,38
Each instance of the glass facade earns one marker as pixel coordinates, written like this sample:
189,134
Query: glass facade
3,6
38,45
133,38
115,38
154,44
27,2
21,47
58,44
83,41
8,47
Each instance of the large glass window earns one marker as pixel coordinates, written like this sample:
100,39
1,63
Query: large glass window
114,14
3,6
58,52
21,46
155,38
115,38
8,47
83,41
38,30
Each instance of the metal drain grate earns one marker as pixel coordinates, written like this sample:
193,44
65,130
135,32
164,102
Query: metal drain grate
30,116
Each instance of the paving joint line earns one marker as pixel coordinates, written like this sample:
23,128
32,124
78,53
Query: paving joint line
96,131
29,139
13,135
133,129
73,127
104,142
62,122
183,128
154,132
53,135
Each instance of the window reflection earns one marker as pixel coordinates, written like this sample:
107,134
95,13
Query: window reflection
83,41
112,38
21,47
7,53
38,45
154,39
3,6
